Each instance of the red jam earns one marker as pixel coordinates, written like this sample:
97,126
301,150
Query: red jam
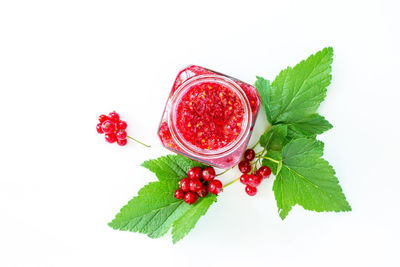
209,117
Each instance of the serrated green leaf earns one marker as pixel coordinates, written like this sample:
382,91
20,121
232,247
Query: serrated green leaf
307,179
264,90
297,92
152,212
171,167
309,126
155,208
275,138
186,223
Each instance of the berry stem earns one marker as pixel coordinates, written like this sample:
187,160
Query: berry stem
224,171
138,141
231,182
259,153
259,156
255,167
255,145
271,159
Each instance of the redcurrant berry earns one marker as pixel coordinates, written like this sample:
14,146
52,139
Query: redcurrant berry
254,180
110,137
244,179
184,184
249,154
122,125
214,187
108,126
179,193
264,172
203,191
190,198
195,185
208,174
121,135
122,142
194,173
102,118
244,166
251,191
114,116
99,129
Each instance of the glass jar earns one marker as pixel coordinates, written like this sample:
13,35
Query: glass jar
209,117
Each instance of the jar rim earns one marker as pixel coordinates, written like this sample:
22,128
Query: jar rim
186,145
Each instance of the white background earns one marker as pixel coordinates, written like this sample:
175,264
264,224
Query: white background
63,63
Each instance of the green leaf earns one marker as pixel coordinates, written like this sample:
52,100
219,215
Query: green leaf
264,90
155,209
183,225
307,179
171,167
309,126
275,138
152,212
297,92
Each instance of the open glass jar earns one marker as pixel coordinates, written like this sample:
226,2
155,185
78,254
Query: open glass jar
209,117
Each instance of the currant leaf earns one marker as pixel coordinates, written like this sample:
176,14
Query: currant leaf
152,212
264,90
275,138
155,209
309,126
307,179
187,221
297,92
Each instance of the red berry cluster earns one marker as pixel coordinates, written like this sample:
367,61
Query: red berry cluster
198,183
252,180
113,128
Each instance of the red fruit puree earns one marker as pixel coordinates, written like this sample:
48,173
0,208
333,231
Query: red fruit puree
209,117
